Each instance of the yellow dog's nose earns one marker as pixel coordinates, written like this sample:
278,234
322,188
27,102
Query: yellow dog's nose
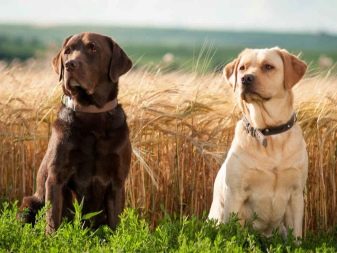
247,79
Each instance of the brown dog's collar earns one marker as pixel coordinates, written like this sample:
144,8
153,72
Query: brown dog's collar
71,104
260,134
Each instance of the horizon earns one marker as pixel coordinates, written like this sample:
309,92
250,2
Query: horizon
201,29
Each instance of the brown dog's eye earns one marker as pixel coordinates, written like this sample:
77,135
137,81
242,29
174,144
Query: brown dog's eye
67,50
92,46
268,67
242,67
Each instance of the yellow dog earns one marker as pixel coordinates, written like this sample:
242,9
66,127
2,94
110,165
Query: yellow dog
266,168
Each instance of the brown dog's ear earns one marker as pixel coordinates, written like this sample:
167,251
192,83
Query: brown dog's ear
58,65
230,72
294,68
57,60
120,63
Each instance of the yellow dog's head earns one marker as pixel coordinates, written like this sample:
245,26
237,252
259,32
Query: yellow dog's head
264,74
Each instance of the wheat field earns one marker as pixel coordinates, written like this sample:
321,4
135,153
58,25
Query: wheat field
181,127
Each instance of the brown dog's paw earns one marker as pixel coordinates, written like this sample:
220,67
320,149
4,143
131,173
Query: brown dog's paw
28,209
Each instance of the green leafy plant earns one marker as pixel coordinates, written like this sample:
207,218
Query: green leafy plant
134,234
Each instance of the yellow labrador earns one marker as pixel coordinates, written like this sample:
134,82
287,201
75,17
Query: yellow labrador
266,168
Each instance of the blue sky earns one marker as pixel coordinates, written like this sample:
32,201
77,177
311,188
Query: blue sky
286,15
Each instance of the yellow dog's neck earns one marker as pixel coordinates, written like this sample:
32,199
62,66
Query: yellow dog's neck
274,112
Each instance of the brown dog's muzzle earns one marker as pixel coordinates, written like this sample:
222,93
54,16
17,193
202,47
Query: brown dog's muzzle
71,65
73,76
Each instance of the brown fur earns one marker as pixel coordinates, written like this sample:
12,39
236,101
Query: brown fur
88,155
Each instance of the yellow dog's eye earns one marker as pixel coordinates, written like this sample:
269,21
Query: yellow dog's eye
268,67
242,67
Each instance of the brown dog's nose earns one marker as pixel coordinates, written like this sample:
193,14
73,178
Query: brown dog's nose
71,65
247,79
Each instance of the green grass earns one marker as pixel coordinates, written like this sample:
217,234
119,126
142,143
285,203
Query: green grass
134,234
18,47
147,46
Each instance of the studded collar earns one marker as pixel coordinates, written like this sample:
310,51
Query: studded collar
260,134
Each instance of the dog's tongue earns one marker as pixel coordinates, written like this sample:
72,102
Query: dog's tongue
73,83
69,86
72,86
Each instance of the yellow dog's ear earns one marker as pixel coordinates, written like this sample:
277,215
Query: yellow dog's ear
231,69
230,72
294,68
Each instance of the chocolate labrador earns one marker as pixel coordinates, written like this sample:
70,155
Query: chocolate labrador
89,151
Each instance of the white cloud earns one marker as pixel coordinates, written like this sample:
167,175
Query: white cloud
309,15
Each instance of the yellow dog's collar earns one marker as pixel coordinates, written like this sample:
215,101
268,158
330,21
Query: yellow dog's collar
260,134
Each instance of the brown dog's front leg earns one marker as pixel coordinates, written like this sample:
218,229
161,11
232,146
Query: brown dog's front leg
32,204
115,205
54,197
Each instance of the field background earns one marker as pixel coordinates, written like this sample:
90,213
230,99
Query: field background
149,45
180,112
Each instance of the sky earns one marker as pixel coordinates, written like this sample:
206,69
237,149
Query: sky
271,15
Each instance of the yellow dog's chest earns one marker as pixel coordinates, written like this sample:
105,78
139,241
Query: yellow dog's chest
267,192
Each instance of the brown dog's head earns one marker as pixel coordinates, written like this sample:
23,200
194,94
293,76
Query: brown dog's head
262,74
88,60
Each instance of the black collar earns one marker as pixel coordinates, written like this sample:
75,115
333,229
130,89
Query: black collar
260,134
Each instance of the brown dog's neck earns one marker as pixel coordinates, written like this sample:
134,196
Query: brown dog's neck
274,112
104,92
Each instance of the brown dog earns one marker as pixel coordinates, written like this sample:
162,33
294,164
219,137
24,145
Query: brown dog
266,168
89,151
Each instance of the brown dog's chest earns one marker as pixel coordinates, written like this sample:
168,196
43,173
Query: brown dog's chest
95,148
96,161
